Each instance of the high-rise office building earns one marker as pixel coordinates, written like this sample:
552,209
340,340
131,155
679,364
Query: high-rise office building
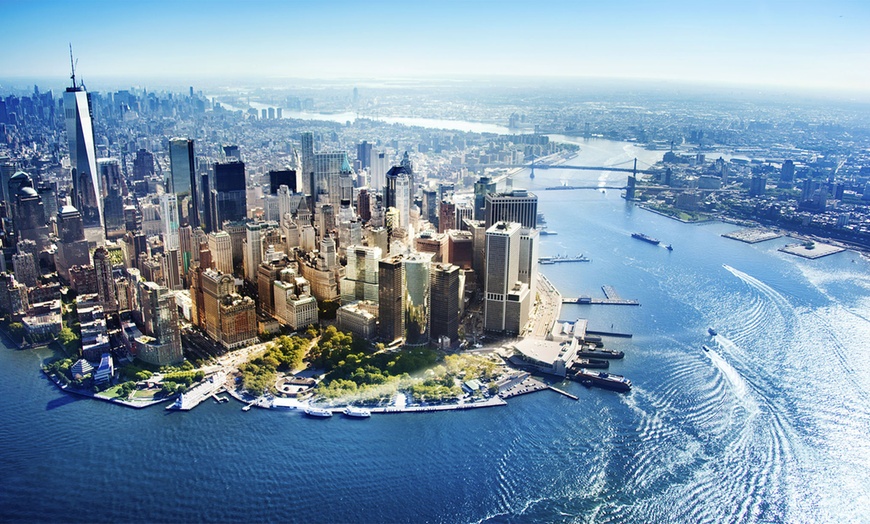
360,280
87,192
787,173
160,322
516,206
378,170
220,245
503,300
183,182
364,154
105,280
482,187
445,300
308,184
283,177
416,269
113,197
391,298
229,192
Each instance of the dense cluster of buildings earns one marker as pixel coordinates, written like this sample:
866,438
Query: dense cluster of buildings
186,241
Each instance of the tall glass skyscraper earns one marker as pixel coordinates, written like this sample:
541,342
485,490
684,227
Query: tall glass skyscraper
86,192
182,181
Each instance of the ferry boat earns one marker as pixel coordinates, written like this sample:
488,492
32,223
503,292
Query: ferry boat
591,363
356,412
600,353
646,238
558,259
312,411
602,380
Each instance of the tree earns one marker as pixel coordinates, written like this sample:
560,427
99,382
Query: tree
16,330
69,340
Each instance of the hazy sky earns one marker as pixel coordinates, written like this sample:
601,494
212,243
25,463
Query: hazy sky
793,43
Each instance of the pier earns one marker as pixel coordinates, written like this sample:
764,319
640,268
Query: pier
562,392
612,298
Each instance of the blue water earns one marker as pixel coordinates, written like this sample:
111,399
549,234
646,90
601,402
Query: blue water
771,425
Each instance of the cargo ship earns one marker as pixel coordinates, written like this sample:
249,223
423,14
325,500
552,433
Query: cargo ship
601,379
646,238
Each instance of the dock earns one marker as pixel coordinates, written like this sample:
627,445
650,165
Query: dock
612,298
608,334
562,392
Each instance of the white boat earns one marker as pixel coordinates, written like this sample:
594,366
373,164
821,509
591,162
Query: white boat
356,412
311,411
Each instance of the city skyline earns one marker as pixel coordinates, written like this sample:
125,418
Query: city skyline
797,45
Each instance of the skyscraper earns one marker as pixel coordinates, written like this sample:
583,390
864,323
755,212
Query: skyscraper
516,206
502,274
230,192
221,247
86,193
308,185
444,302
391,298
364,154
105,280
182,181
112,197
417,298
361,274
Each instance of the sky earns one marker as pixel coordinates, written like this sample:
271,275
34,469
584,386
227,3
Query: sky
797,43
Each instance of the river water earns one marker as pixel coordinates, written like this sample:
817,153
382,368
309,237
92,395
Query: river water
770,425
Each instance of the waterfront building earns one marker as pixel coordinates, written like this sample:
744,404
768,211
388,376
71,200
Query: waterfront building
105,370
445,300
505,298
516,206
361,274
160,344
528,264
13,296
391,298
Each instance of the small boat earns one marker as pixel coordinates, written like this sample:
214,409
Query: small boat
712,332
669,247
355,412
311,411
591,363
705,348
